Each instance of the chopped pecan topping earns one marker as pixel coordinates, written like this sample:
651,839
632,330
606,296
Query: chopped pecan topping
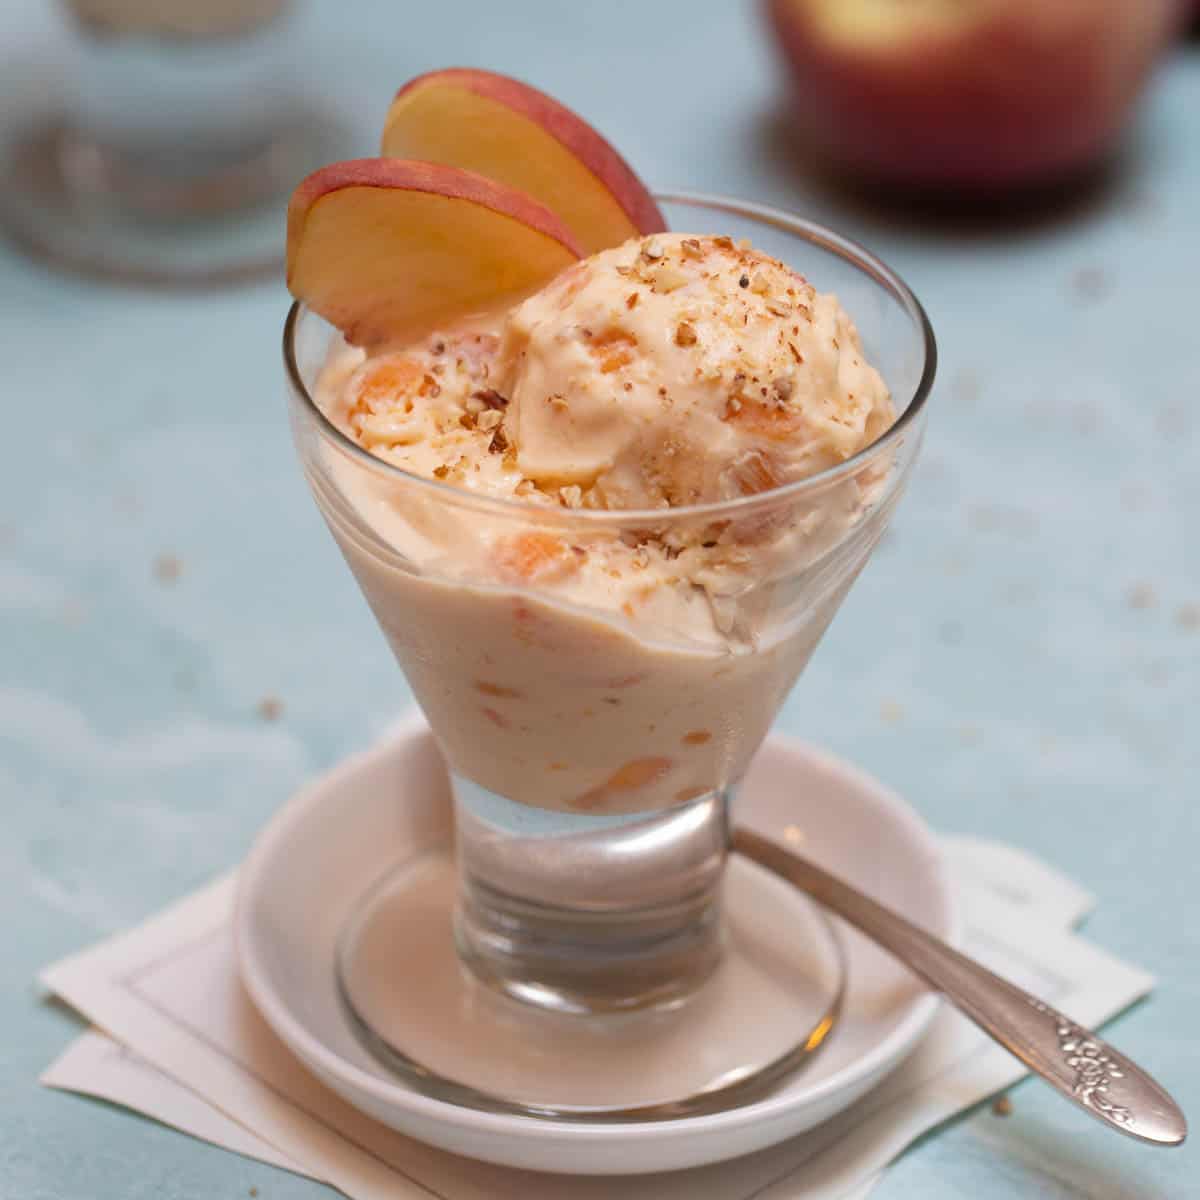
490,398
669,279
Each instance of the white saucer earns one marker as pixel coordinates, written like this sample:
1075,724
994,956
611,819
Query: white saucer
313,861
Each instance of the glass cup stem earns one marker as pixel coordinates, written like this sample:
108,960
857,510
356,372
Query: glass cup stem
590,914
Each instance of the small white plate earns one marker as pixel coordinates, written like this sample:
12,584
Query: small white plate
313,861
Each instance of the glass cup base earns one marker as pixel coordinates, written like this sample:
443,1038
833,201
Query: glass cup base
69,204
765,1009
511,946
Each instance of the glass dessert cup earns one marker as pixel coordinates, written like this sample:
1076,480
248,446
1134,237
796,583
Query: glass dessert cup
594,755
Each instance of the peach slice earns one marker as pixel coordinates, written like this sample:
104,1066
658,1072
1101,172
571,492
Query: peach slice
386,249
513,133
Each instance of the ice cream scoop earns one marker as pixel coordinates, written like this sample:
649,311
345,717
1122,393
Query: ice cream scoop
675,370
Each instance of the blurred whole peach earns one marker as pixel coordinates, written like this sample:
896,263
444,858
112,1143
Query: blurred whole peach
968,93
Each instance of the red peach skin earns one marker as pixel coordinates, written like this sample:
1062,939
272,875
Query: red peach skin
1014,92
513,133
386,249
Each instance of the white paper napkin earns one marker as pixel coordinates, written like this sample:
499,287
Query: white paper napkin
183,1044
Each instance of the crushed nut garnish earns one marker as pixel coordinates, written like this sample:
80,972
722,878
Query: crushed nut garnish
795,353
571,495
669,279
692,248
558,401
489,419
467,420
652,249
499,442
759,284
784,386
685,334
631,300
726,243
491,398
167,568
441,471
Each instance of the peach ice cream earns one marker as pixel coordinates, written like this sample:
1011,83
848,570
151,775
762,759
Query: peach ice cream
568,658
570,449
676,370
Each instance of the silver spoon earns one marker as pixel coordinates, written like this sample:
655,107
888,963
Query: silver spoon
1083,1068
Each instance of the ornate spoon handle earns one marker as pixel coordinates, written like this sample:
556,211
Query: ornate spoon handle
1088,1071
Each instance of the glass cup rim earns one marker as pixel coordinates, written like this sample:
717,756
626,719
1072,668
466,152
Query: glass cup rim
844,247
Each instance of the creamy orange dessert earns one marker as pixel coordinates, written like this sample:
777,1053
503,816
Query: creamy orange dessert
582,635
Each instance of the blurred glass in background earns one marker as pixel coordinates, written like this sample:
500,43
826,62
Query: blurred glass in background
180,134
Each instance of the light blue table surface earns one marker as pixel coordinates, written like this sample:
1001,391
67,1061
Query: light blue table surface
1021,659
